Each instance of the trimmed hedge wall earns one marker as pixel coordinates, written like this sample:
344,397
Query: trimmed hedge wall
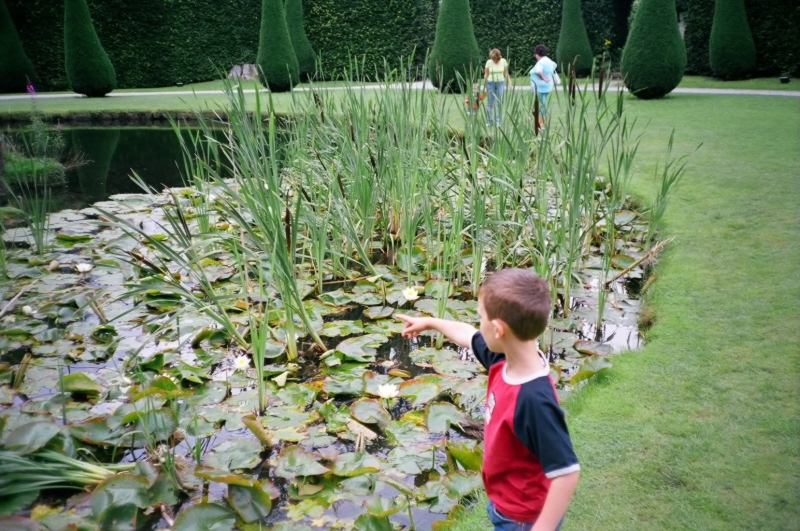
516,26
773,25
160,42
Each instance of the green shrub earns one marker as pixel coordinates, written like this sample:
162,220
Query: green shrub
731,52
773,25
97,147
14,64
573,41
24,171
89,69
455,51
654,57
306,58
276,59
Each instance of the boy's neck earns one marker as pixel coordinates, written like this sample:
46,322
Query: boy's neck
522,358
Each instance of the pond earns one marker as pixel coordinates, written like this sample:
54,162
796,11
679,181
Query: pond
227,348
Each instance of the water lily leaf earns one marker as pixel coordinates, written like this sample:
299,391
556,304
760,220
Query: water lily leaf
367,522
378,312
410,262
370,411
30,437
159,386
96,431
335,298
80,383
457,368
381,507
362,348
624,217
297,395
469,458
122,489
254,425
191,373
289,435
221,476
400,373
356,428
411,459
14,503
427,356
472,392
162,301
205,517
405,433
373,381
104,334
386,327
440,415
342,328
251,503
355,464
346,383
592,348
462,483
335,417
591,367
437,288
278,417
419,392
622,261
119,518
295,461
436,494
234,454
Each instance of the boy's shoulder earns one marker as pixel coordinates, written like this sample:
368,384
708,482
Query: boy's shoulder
486,357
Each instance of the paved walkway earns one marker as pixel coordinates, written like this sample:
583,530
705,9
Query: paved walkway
416,85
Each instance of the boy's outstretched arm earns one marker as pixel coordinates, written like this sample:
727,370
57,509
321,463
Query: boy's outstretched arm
558,498
459,333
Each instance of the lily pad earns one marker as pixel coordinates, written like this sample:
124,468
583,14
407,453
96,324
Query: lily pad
355,464
378,312
205,517
419,392
120,490
294,461
622,261
342,328
591,367
592,348
80,383
31,437
439,416
370,411
250,503
235,454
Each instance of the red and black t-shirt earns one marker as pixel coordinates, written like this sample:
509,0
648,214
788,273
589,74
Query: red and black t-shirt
526,441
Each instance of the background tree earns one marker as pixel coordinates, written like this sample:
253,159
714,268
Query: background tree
97,147
14,64
455,50
654,57
89,70
731,51
276,60
306,58
573,41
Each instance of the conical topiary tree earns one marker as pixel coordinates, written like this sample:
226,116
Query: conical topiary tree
97,147
731,51
573,41
455,49
276,59
306,58
14,64
89,70
654,57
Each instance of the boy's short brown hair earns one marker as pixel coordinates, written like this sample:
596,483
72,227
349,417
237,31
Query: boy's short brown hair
520,298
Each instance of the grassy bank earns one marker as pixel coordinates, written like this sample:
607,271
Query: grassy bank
700,429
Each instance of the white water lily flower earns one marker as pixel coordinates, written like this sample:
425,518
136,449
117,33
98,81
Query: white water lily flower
388,391
410,293
27,310
83,267
241,363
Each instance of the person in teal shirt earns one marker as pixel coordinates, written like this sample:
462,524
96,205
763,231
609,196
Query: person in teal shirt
542,79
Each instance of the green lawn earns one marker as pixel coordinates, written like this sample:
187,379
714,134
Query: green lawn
761,83
700,430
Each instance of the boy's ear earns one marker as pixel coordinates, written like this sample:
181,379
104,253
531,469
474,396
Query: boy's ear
500,328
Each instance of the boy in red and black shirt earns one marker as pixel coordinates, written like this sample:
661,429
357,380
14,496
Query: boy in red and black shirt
529,470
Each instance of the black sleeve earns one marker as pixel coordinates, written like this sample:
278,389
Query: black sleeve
539,423
482,352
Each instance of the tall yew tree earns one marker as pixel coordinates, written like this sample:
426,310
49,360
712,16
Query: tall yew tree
573,41
89,70
14,64
306,58
455,49
654,57
276,59
731,51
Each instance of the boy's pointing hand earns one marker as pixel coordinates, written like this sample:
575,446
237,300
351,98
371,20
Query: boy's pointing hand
413,325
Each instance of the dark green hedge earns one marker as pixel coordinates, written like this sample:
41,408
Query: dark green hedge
773,25
516,26
14,64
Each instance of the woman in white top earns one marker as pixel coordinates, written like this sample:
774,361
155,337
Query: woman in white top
495,76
